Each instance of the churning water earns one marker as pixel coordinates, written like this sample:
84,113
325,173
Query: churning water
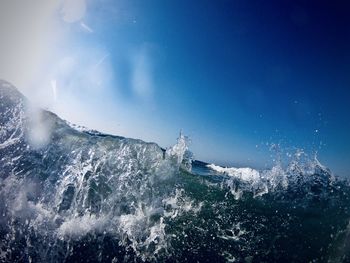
70,194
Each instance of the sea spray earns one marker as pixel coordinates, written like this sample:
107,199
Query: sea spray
88,196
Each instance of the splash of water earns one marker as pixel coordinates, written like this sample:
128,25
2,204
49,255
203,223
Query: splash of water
86,195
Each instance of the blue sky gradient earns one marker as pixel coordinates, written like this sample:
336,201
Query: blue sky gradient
237,74
234,75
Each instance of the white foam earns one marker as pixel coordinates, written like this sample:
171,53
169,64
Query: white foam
180,204
245,174
80,226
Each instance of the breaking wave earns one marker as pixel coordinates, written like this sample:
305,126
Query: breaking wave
76,195
300,171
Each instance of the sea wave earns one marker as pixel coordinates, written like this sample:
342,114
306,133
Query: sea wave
301,172
71,194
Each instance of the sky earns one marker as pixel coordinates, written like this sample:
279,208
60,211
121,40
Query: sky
236,76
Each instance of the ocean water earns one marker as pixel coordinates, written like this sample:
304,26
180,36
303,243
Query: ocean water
69,194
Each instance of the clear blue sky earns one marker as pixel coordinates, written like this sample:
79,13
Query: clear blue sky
237,74
232,74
